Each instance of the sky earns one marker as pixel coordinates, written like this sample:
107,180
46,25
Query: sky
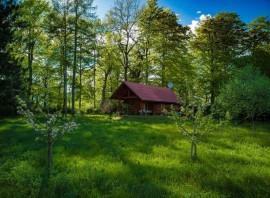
191,11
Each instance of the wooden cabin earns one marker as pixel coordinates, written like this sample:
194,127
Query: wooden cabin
145,99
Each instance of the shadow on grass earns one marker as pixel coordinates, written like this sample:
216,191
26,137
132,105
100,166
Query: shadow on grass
112,137
17,138
143,157
115,141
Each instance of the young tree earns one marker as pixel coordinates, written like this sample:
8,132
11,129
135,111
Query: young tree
51,130
200,127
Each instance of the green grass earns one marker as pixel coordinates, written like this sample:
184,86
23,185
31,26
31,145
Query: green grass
135,157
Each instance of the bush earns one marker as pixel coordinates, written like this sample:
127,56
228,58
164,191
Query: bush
106,107
246,96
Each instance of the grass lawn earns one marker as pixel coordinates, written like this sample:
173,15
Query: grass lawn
135,157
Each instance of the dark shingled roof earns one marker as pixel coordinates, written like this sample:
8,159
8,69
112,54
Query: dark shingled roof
149,93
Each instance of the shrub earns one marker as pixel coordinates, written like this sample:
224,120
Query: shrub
245,96
106,107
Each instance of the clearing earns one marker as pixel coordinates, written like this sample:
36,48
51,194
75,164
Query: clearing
135,157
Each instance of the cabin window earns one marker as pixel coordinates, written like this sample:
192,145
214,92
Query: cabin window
162,106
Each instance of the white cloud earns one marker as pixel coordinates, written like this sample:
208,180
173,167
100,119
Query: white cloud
196,23
203,16
199,12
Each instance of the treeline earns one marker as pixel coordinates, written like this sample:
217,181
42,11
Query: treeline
60,55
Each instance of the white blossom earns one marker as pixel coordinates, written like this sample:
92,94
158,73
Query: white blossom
53,125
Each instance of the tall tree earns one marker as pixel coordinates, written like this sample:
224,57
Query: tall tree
60,28
163,42
87,55
123,19
28,31
170,44
148,27
10,69
259,34
82,8
217,44
108,60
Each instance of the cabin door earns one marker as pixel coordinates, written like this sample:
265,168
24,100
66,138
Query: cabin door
149,108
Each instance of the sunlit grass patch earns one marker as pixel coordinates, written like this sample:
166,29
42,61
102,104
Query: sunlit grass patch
135,157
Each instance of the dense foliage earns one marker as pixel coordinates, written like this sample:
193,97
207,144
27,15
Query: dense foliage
246,95
10,68
81,59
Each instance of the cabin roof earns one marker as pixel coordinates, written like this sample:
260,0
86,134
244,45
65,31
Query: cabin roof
146,92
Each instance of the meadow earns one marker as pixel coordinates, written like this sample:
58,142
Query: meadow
135,157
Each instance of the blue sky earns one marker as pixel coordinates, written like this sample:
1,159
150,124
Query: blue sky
188,9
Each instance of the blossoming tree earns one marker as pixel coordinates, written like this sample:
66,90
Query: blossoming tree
50,129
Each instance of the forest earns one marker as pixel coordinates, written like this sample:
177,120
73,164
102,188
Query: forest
60,55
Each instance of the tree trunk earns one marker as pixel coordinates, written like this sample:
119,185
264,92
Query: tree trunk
147,66
69,100
30,74
212,72
126,65
104,87
212,93
94,79
80,96
65,67
74,61
59,88
163,71
49,157
45,103
193,151
125,73
29,90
